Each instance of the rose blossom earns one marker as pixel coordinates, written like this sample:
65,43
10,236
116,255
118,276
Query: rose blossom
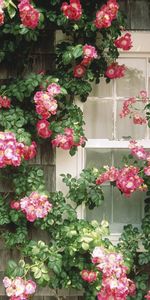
1,17
147,171
115,284
11,150
30,287
67,140
143,96
54,89
138,151
7,282
89,276
138,119
106,14
28,14
19,288
29,152
148,296
79,71
15,205
89,51
124,42
4,102
43,129
35,206
72,11
46,105
115,71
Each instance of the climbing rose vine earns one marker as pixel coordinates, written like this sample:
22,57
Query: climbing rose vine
39,108
131,108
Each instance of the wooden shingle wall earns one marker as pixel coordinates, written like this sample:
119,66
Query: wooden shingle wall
41,59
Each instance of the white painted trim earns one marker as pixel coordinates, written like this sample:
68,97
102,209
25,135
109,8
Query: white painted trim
113,144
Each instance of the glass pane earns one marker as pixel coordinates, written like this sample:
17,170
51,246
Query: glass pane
116,209
98,116
118,156
134,79
127,210
103,212
126,129
102,89
97,158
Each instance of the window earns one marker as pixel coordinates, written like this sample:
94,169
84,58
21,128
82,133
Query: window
108,135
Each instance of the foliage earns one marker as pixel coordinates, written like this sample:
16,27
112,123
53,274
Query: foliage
29,101
84,189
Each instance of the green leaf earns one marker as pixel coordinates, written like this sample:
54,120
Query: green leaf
67,57
77,51
85,246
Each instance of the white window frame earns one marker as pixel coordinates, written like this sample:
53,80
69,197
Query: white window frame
74,165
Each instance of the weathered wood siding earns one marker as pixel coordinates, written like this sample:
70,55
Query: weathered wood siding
41,59
137,12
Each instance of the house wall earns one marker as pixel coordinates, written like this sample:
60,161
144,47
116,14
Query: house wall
41,59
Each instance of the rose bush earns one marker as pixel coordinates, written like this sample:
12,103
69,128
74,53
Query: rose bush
36,106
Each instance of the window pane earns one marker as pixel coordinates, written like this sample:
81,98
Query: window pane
134,79
118,155
125,128
97,158
102,89
116,209
98,118
127,210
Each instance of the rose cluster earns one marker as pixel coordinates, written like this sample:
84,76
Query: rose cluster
19,288
1,12
148,296
124,42
28,14
72,11
111,174
133,112
140,153
30,152
89,53
106,14
12,151
115,284
89,276
115,71
34,207
126,179
46,104
4,102
67,140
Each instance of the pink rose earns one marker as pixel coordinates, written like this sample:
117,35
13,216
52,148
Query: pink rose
79,71
43,129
